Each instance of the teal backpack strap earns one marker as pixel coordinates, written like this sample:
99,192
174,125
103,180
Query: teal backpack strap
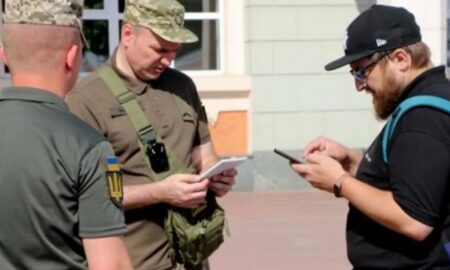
406,105
146,133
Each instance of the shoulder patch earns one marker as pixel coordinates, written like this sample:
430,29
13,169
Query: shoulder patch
114,180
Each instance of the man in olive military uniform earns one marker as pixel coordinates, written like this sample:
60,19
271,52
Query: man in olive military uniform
57,210
151,36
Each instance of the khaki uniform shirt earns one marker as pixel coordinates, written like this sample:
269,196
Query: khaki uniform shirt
182,129
53,188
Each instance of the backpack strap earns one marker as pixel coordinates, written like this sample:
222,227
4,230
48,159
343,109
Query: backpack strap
144,129
406,105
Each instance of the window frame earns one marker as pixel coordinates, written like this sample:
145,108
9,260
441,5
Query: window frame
111,14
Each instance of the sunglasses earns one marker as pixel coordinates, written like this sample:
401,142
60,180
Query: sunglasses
360,74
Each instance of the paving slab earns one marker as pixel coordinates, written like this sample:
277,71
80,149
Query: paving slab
283,231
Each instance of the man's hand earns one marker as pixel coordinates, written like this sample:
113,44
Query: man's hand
321,171
222,183
183,190
348,158
328,147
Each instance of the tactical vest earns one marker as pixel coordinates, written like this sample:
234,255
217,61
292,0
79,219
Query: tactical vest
193,235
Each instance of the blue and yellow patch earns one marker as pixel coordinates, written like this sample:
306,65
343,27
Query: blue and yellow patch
114,180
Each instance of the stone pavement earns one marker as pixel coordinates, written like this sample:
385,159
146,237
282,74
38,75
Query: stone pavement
283,231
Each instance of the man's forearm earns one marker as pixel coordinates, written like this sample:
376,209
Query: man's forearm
204,156
107,253
138,196
380,206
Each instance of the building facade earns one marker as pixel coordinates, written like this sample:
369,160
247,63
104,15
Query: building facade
259,70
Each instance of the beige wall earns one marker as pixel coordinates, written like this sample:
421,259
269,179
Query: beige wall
293,98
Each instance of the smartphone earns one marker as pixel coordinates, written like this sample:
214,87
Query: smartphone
289,157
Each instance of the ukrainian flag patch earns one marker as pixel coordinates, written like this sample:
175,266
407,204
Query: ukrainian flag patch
114,180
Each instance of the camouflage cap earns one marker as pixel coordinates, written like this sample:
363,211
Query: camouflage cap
49,12
164,17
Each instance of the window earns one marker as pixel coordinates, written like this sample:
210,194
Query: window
102,21
101,27
203,18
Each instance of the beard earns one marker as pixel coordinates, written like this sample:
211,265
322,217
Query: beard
386,100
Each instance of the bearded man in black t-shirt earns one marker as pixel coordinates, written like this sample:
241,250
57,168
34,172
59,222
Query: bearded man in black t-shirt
399,215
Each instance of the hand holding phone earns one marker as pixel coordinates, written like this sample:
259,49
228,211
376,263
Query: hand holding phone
288,157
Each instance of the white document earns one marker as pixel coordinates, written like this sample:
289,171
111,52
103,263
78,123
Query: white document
222,165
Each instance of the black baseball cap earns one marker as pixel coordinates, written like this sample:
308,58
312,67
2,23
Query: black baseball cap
379,28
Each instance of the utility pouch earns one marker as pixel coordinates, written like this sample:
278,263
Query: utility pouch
195,234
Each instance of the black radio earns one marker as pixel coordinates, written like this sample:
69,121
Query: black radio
157,155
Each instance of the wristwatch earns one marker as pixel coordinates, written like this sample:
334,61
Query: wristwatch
338,185
337,190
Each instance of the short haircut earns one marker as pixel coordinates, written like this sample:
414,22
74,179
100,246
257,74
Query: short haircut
37,48
420,54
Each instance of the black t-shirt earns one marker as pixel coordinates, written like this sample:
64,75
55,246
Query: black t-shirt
418,174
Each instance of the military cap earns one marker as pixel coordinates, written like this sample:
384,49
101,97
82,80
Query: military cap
48,12
164,17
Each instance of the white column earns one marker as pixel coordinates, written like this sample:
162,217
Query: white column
234,42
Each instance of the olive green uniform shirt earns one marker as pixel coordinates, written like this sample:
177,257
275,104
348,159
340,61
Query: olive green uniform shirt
53,189
181,128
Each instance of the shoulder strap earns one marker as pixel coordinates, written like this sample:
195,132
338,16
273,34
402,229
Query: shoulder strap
128,101
406,105
146,133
